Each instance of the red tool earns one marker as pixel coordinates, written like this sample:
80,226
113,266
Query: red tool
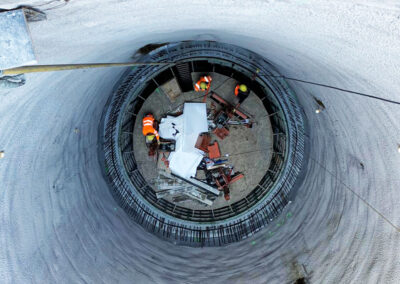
213,151
203,141
225,179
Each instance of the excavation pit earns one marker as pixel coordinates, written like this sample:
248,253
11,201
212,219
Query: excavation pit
276,142
249,150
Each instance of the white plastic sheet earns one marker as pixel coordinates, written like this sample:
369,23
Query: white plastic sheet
184,161
194,123
171,127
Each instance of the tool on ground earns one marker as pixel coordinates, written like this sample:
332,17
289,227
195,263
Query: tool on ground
244,122
212,164
228,108
224,178
222,118
166,145
225,116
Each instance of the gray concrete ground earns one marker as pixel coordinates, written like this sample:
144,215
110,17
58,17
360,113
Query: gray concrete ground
249,149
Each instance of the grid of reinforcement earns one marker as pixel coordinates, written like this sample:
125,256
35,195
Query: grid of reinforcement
204,227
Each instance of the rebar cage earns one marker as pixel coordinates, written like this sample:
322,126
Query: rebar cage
204,227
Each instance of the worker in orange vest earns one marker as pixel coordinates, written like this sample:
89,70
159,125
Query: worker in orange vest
203,84
149,130
241,92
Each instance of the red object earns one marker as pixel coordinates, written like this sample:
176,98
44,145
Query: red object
239,113
213,151
221,132
227,196
236,178
229,106
224,180
165,160
203,141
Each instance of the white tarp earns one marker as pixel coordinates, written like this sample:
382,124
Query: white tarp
184,161
170,127
194,123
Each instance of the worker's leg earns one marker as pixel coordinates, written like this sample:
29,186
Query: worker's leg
241,98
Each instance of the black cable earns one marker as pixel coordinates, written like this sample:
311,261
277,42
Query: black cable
331,87
357,195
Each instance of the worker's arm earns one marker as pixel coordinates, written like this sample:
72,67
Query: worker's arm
157,136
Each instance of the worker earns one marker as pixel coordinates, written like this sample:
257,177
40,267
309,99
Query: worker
203,84
149,130
241,92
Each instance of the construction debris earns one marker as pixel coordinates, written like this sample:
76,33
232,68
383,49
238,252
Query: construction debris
229,111
213,151
221,132
185,129
223,178
186,150
169,185
203,141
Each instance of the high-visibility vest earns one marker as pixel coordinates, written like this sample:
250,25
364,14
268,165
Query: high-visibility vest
237,91
205,79
148,127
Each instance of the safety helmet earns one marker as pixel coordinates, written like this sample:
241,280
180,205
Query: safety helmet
150,138
243,88
203,85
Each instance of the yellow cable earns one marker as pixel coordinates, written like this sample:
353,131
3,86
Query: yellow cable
61,67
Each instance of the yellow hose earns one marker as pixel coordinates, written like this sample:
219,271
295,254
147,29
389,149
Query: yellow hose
61,67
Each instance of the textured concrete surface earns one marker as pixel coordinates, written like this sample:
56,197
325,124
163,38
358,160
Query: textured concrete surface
59,222
249,150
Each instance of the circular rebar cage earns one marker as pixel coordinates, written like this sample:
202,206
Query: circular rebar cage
203,227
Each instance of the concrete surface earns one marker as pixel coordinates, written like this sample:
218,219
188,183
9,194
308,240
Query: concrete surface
59,222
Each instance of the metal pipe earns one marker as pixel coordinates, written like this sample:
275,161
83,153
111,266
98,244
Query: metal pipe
61,67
